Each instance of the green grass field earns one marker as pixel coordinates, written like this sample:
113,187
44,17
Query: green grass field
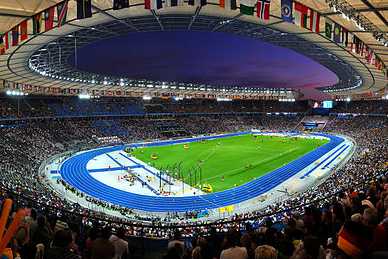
227,162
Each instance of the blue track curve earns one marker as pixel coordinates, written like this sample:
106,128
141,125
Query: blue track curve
74,172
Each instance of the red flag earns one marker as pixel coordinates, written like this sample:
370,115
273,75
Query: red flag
263,7
301,11
6,42
23,30
49,18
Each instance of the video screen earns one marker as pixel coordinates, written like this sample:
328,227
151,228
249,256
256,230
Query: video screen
327,104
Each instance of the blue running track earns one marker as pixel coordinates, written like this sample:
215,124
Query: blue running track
74,172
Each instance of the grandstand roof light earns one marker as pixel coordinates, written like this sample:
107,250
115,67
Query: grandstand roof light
15,93
223,99
84,96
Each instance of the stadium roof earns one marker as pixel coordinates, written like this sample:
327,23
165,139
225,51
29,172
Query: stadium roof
372,13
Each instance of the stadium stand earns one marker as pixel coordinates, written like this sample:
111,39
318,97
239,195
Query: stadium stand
347,208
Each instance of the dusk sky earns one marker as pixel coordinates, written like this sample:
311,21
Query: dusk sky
203,57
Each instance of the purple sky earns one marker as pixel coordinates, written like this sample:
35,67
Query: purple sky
203,57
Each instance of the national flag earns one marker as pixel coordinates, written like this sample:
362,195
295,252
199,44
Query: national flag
369,54
286,10
357,44
49,18
228,4
328,29
171,3
153,4
363,49
84,9
62,13
379,64
120,4
198,2
315,17
15,36
345,37
263,7
37,23
8,39
23,30
2,47
337,33
373,59
247,7
300,14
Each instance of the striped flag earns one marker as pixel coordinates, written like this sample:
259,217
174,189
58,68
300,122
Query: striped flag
197,2
2,46
15,36
171,3
120,4
337,33
228,4
8,40
153,4
263,7
247,7
37,23
328,29
84,9
345,37
62,13
23,30
300,14
314,16
49,18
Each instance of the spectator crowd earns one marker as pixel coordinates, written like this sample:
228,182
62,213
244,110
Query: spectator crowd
345,216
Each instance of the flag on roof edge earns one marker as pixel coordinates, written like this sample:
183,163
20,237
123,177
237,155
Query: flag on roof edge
198,2
15,36
37,23
153,4
23,30
2,46
49,18
247,7
286,10
300,14
313,24
120,4
345,37
328,29
171,3
228,4
84,9
62,13
337,33
263,8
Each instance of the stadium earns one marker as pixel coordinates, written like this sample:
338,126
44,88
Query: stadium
193,129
